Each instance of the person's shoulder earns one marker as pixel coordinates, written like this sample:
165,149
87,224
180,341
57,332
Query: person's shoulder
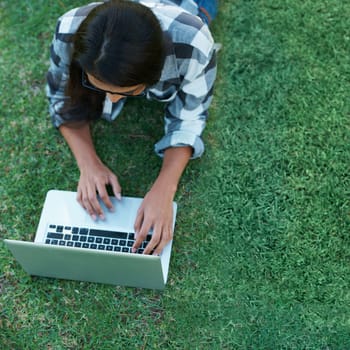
70,21
184,27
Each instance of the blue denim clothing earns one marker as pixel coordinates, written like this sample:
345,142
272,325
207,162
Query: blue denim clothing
207,9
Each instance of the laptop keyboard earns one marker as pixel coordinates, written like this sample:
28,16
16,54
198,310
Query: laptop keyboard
82,237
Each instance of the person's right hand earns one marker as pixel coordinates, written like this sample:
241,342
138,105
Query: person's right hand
93,181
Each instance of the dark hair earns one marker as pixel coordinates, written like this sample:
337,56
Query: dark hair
120,43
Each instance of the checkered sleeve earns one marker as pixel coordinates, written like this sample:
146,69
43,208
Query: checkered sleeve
186,115
61,51
58,75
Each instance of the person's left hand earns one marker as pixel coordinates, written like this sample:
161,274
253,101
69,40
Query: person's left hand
155,212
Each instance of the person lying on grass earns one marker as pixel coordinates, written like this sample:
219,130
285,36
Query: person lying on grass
104,53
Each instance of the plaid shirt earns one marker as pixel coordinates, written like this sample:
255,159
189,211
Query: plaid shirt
186,82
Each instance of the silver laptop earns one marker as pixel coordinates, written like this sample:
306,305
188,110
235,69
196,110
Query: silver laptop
70,245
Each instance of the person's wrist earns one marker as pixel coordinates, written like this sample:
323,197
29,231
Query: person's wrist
88,163
168,189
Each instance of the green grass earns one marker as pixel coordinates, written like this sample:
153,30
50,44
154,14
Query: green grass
261,254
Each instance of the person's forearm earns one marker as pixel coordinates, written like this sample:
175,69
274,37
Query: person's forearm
174,163
80,142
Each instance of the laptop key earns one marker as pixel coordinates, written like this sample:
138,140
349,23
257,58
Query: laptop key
125,250
70,244
117,249
55,235
85,245
106,241
67,237
83,231
93,246
62,243
101,247
47,241
122,242
130,243
77,244
91,239
75,229
75,237
109,234
114,242
59,228
132,236
109,248
82,239
54,242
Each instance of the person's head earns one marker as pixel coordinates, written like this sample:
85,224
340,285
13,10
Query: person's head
119,47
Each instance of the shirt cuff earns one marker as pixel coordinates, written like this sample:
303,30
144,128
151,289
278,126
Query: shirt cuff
56,118
111,110
180,139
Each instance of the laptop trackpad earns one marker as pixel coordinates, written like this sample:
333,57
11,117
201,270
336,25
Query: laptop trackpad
122,217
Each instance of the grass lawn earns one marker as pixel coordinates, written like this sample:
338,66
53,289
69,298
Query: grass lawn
261,254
